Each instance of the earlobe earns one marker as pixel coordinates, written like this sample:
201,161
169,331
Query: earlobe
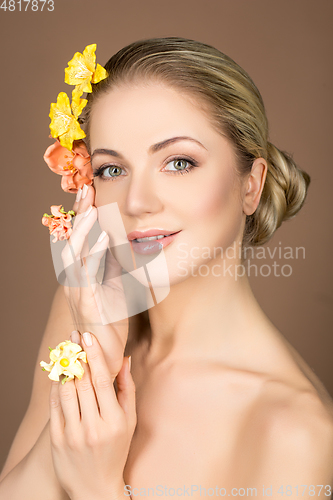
254,186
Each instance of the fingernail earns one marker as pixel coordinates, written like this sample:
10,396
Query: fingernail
129,362
87,212
75,336
84,191
87,338
78,195
101,236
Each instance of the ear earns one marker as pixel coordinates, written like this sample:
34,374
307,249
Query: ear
254,186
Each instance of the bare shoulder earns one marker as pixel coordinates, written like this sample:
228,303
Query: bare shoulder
301,417
294,431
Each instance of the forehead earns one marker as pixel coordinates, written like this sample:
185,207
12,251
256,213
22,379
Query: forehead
144,114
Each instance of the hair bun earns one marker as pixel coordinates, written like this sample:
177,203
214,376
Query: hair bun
283,196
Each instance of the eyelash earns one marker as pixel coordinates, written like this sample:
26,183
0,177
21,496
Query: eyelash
99,171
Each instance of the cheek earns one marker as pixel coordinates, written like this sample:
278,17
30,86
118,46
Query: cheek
215,196
103,193
217,211
213,201
100,194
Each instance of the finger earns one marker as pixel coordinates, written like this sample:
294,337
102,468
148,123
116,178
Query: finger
93,260
85,196
113,301
87,397
69,405
78,210
71,254
101,376
81,217
76,337
57,420
82,224
113,272
84,388
126,391
77,200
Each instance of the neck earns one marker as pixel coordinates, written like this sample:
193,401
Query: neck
203,316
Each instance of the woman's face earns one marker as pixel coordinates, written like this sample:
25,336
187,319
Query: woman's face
189,186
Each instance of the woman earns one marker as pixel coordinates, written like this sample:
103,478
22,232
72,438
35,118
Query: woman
222,403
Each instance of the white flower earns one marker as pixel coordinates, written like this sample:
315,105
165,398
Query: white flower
65,361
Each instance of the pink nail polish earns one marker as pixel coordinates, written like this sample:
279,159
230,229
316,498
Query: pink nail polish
84,191
87,339
101,236
78,195
75,337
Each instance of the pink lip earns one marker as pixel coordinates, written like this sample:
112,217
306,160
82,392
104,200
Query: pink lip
153,246
146,234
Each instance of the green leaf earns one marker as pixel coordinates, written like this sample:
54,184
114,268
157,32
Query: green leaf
62,210
50,348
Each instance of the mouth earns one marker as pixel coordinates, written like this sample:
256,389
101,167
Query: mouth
145,243
152,238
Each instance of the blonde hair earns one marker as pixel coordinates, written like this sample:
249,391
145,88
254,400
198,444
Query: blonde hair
233,105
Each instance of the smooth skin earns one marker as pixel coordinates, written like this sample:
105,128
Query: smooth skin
222,399
83,416
91,427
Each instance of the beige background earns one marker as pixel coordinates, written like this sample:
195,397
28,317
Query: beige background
286,47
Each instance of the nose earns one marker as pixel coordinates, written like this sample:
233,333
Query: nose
141,196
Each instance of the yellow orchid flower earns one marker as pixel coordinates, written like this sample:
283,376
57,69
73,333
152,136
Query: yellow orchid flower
64,124
82,70
65,361
77,104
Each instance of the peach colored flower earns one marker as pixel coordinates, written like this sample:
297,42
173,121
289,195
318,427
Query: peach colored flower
59,223
74,166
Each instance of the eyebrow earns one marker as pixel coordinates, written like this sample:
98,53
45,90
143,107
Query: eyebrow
153,149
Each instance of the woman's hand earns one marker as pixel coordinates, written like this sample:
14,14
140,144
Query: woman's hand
91,428
95,307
